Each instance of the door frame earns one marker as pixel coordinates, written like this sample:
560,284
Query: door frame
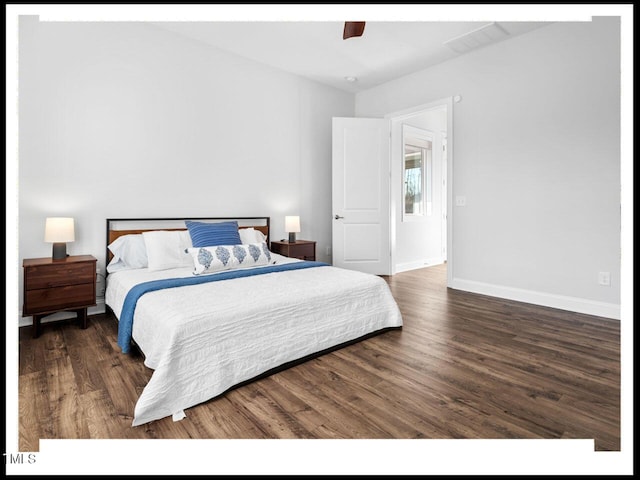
445,200
409,112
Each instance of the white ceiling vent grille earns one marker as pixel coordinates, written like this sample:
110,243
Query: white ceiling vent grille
490,33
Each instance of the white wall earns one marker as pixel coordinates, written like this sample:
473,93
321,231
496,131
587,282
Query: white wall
129,120
536,152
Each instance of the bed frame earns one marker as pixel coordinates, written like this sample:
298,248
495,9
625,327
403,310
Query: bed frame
123,226
117,227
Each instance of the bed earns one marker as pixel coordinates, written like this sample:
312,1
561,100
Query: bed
204,332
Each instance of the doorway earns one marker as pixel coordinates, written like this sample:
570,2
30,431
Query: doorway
420,163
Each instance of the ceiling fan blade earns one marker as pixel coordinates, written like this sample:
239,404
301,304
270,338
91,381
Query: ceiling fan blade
353,29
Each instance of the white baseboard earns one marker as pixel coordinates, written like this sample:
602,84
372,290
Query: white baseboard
573,304
428,262
99,308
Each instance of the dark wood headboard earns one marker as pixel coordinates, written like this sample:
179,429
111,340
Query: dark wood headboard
117,227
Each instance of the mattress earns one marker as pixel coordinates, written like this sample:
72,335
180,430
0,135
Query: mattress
201,340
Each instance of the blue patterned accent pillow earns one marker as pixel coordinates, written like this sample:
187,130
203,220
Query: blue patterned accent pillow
213,234
213,259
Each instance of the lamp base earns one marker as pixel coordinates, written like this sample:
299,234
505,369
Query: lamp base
292,237
59,251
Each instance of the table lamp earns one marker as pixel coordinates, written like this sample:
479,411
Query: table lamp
292,226
59,230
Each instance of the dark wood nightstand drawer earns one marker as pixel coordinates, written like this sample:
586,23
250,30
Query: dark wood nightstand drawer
50,276
304,252
54,299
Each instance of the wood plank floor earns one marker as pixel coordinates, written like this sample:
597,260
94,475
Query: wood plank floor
463,366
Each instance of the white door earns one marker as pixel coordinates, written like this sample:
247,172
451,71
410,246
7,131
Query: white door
360,196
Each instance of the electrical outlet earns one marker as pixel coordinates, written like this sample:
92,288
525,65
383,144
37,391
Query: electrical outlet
461,200
99,276
604,278
328,250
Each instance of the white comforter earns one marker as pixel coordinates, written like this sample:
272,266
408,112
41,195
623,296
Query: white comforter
203,339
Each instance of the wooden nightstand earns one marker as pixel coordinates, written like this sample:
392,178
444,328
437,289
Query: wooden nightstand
302,249
52,286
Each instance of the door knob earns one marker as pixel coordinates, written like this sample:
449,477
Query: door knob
337,217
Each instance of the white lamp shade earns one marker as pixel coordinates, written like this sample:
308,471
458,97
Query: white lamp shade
59,230
292,223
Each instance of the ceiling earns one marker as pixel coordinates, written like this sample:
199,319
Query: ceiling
316,50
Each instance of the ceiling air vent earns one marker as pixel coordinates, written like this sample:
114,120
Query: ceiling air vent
490,33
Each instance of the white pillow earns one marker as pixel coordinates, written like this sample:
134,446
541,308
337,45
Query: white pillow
166,249
251,235
226,257
129,252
